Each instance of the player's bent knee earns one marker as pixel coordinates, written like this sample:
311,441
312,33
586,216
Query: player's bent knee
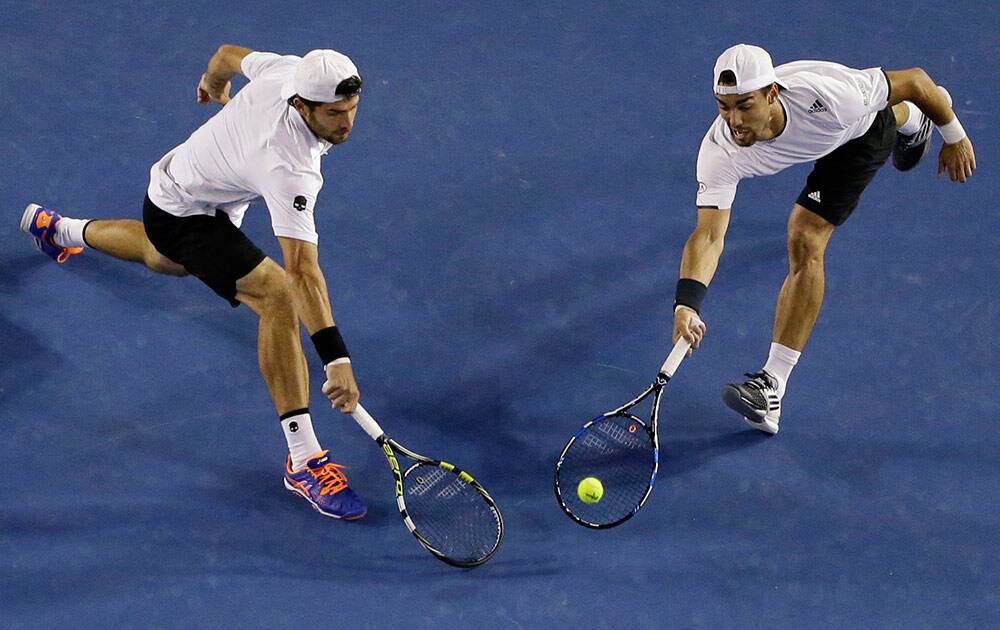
806,244
265,278
276,304
805,248
808,236
266,290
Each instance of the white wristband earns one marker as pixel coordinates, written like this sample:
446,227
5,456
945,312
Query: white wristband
952,132
340,361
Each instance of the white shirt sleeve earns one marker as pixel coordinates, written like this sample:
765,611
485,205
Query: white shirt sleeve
857,93
291,199
257,64
717,180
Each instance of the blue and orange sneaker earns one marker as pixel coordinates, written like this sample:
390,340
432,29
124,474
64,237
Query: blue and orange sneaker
324,485
40,223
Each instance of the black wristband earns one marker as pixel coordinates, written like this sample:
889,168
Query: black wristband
329,344
690,293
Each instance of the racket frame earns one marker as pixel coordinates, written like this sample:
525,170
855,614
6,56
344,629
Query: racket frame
389,448
656,390
667,370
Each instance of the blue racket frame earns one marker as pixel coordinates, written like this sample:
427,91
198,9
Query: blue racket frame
667,370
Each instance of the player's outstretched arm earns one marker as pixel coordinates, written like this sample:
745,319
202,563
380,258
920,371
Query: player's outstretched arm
312,302
215,84
957,156
698,264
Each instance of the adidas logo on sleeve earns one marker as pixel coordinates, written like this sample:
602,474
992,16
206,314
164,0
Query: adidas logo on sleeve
814,196
817,107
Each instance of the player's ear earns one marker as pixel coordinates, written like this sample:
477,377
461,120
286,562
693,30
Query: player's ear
297,104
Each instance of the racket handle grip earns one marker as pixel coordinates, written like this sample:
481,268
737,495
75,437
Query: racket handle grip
675,357
367,422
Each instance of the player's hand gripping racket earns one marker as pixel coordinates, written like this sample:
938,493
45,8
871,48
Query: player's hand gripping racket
447,510
621,451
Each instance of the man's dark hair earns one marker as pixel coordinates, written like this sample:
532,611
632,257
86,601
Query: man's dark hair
727,77
349,87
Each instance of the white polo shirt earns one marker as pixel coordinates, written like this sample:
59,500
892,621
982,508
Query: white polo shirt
256,147
826,105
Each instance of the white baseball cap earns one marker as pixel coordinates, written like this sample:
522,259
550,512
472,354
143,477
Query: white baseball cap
751,65
319,74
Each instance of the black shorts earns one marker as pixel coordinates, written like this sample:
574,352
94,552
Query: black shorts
836,182
211,248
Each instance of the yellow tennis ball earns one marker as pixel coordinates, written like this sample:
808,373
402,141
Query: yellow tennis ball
590,490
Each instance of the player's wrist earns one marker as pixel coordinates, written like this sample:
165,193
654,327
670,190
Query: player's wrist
330,346
952,132
690,293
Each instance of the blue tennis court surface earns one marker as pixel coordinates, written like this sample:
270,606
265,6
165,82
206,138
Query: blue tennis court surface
501,236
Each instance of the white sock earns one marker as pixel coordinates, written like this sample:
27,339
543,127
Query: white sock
69,232
912,124
780,362
302,442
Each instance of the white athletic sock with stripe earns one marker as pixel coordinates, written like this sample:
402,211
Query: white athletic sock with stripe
912,124
780,362
69,232
302,442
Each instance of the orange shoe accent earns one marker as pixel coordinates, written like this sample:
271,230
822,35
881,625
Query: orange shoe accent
43,220
67,252
331,477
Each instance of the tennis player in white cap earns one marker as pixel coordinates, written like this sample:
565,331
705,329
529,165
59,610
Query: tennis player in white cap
264,144
848,122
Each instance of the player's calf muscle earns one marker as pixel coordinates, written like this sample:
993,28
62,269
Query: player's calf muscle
126,239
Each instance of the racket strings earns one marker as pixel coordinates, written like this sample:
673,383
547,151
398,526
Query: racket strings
451,514
611,437
620,453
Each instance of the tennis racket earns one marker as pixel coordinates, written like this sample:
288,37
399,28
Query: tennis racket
448,511
619,449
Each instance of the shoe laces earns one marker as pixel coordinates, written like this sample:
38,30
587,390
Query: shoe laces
331,477
761,380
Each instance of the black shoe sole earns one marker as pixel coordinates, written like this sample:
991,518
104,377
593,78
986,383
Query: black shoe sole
907,159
